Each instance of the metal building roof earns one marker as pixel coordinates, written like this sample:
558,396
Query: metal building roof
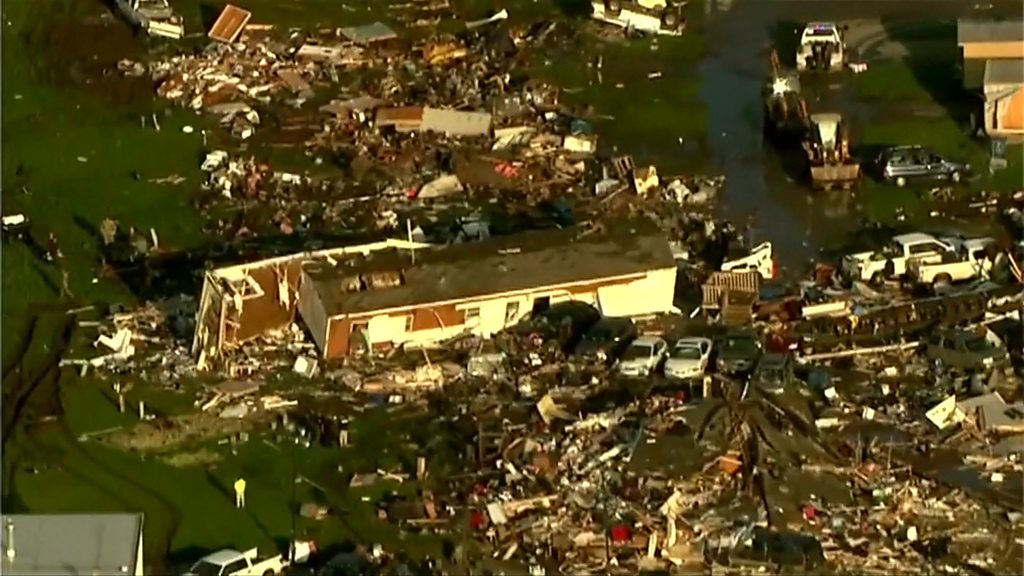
971,30
1009,72
70,544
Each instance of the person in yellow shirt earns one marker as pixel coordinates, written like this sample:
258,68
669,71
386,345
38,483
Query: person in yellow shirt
240,493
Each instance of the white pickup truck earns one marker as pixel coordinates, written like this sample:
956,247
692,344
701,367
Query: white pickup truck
891,261
970,259
229,562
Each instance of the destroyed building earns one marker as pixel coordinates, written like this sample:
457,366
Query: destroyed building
395,293
241,302
401,297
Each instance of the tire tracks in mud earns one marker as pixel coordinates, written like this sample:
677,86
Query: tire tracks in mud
20,390
167,507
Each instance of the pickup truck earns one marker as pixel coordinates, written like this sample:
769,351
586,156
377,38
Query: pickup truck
229,562
891,261
968,260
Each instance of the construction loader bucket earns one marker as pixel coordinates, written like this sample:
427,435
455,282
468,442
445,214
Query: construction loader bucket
829,177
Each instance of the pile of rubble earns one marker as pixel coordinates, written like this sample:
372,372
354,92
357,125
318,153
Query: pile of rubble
451,120
855,451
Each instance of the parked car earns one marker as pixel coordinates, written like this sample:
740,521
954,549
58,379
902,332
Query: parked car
688,358
348,564
643,357
607,339
564,323
891,261
902,165
965,350
773,372
737,353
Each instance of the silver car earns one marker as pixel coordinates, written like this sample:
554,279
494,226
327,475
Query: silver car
643,357
688,359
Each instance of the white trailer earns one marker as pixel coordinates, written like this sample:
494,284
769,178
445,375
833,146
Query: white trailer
649,16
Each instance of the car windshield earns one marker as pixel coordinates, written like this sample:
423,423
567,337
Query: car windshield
637,352
978,344
819,31
740,346
602,335
770,374
686,352
204,568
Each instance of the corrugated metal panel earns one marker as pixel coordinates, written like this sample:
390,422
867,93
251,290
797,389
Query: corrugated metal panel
405,116
456,123
369,33
46,544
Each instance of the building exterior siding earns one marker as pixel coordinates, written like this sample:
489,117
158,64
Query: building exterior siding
640,295
225,319
992,50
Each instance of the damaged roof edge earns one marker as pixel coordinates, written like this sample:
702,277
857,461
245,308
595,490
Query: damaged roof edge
475,299
238,270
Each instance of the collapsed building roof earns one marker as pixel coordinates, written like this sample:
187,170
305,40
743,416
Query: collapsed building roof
494,266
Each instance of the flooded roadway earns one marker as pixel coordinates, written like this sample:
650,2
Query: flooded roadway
761,190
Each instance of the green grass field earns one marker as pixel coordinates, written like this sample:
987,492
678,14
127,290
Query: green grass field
920,100
75,154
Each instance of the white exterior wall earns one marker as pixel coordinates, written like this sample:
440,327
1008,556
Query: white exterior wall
383,328
138,558
651,294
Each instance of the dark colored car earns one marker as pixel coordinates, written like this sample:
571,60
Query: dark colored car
903,165
607,339
348,564
564,323
965,350
773,373
737,353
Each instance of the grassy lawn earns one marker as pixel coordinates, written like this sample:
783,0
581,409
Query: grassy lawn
881,201
919,100
81,158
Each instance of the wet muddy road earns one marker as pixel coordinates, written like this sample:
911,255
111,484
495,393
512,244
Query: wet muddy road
762,190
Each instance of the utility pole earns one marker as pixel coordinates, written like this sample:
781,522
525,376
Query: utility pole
295,500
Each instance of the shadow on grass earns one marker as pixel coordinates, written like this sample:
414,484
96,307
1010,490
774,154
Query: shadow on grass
934,61
868,156
86,226
574,8
208,13
181,560
786,38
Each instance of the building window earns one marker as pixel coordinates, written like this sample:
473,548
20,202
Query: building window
541,304
409,322
472,315
511,312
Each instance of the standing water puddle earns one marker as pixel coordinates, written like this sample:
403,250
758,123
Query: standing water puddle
759,192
